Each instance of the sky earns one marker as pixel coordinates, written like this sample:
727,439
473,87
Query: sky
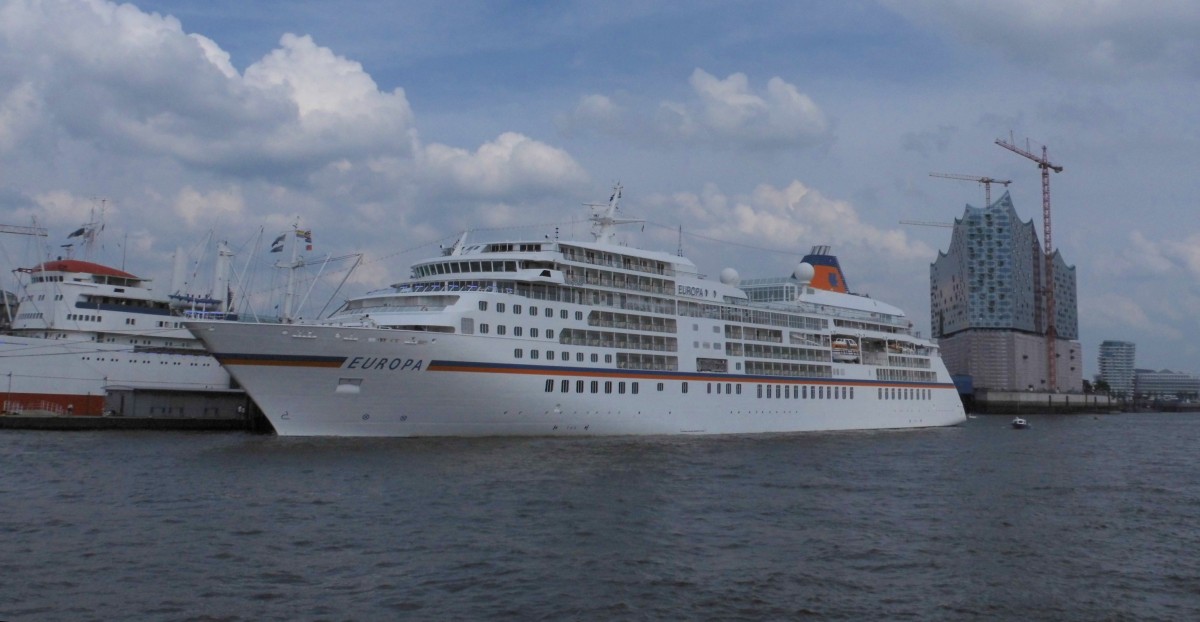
744,133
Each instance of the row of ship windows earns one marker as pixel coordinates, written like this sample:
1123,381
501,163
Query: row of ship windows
115,360
802,392
517,309
517,331
566,356
595,386
76,317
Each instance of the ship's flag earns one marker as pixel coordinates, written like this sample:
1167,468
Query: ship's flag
277,245
78,232
307,235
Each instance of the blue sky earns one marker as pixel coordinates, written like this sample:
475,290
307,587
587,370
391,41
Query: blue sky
772,126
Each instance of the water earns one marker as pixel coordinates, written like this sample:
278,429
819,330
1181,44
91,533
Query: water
1078,518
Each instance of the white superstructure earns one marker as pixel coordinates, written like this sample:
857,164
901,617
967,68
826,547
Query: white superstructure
81,328
548,337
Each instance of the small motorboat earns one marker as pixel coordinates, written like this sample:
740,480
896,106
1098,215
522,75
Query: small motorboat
1019,423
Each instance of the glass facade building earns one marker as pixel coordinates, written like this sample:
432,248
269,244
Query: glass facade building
988,307
1116,367
991,277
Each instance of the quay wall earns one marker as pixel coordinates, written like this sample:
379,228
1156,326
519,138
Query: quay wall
990,402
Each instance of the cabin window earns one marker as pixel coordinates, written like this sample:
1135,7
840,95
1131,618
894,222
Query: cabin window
549,385
483,329
634,388
518,353
549,334
533,332
517,331
533,354
501,330
549,312
595,386
566,386
499,307
483,305
660,386
517,309
608,386
579,386
532,310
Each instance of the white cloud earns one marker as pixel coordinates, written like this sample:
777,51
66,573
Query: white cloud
125,81
730,111
793,217
1106,40
510,163
209,208
1185,252
1118,313
927,142
725,114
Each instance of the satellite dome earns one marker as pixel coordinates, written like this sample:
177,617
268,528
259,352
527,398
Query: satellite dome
804,272
729,276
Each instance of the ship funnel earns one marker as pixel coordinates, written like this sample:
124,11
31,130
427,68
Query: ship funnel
827,272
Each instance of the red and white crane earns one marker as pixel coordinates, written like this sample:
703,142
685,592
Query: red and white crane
1046,166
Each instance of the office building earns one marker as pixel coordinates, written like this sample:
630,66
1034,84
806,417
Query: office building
1116,367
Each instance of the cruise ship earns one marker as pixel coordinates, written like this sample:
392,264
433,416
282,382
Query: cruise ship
81,329
555,338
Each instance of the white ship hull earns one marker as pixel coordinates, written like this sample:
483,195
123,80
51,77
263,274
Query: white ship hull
70,376
374,382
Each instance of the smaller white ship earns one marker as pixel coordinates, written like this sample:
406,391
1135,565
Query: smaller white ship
81,328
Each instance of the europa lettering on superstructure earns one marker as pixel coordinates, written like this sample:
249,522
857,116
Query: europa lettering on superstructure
384,363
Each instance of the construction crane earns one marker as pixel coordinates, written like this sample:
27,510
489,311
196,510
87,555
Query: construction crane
20,230
926,223
986,181
1046,166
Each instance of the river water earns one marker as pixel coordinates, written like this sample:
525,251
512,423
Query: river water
1078,518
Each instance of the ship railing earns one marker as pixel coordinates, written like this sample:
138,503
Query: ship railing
20,406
